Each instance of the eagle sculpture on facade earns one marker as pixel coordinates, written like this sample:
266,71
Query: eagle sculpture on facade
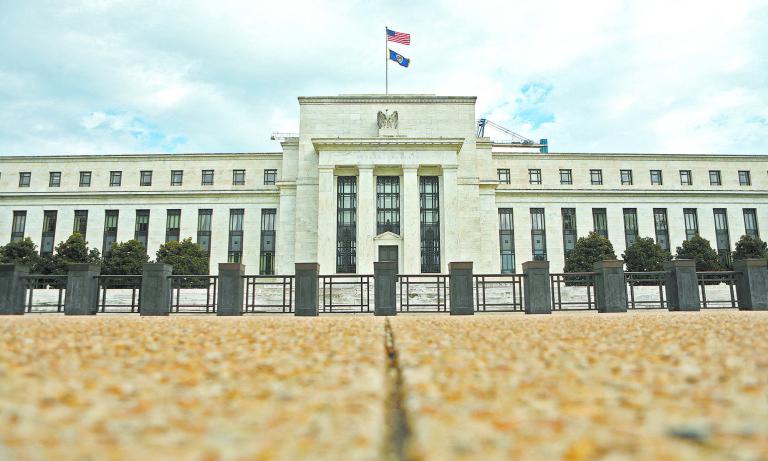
385,120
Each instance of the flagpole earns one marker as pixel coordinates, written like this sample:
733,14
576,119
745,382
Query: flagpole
386,62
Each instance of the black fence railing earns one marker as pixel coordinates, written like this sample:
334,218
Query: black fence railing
194,294
498,292
119,293
573,290
44,293
432,298
711,287
269,294
345,293
645,290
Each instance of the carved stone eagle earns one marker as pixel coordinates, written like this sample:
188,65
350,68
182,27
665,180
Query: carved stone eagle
385,120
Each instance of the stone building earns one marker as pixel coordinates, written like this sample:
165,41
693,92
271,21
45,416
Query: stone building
373,177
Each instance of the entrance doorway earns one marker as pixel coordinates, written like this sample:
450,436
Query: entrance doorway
388,253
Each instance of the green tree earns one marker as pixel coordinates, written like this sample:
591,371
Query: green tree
187,258
22,252
125,258
699,249
587,251
645,255
74,250
750,247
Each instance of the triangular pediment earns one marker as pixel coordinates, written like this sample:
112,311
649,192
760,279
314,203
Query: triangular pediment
388,236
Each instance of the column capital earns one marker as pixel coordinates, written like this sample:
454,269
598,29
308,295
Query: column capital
413,168
365,167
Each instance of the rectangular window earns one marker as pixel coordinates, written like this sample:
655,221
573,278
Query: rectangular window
207,177
387,204
507,241
54,179
110,230
346,224
25,177
662,227
141,230
503,174
745,178
596,177
714,178
270,176
115,178
49,232
85,179
238,177
722,236
534,176
626,177
429,204
145,178
750,223
569,229
630,226
177,177
204,216
173,226
656,179
267,259
235,246
538,234
600,221
18,225
80,225
691,218
566,177
686,179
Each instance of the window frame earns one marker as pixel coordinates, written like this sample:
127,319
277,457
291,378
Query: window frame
686,178
745,178
629,180
659,181
177,177
596,176
238,181
717,176
568,174
57,176
534,176
270,176
115,174
25,178
86,177
207,174
507,231
145,178
503,175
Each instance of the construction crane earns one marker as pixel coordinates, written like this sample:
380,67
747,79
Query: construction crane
514,140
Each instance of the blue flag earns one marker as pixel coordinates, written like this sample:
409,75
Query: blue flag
399,58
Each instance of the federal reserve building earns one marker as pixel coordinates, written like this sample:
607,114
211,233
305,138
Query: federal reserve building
406,178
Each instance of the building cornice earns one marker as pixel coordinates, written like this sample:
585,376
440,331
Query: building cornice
629,156
386,143
634,192
384,99
133,194
142,157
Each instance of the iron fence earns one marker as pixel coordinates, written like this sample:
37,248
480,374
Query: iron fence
433,299
195,289
261,289
645,290
714,279
119,293
566,286
352,293
498,292
50,292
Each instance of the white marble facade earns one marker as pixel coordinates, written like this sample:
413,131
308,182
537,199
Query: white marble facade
340,136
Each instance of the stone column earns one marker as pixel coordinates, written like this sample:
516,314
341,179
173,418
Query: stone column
410,219
326,219
82,295
460,275
385,288
12,289
366,219
155,297
752,284
286,230
450,216
537,295
681,285
307,289
610,288
231,289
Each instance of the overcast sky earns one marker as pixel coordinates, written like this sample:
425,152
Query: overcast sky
111,76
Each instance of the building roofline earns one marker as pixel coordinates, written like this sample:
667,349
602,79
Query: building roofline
628,155
155,156
391,98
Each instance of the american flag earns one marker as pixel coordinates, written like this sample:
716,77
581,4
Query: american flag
398,37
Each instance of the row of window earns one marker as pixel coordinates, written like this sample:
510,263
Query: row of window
145,178
626,177
600,225
172,231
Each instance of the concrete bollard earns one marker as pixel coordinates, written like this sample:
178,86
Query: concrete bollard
155,298
610,287
752,284
460,284
537,296
12,289
385,288
231,289
681,285
307,289
82,295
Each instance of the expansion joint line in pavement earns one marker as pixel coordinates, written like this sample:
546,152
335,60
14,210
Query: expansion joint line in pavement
398,435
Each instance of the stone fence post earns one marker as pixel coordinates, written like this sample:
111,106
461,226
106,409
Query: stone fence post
385,288
752,284
682,286
82,295
155,298
537,295
307,289
231,289
460,283
610,288
12,289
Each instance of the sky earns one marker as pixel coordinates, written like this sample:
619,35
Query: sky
116,77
